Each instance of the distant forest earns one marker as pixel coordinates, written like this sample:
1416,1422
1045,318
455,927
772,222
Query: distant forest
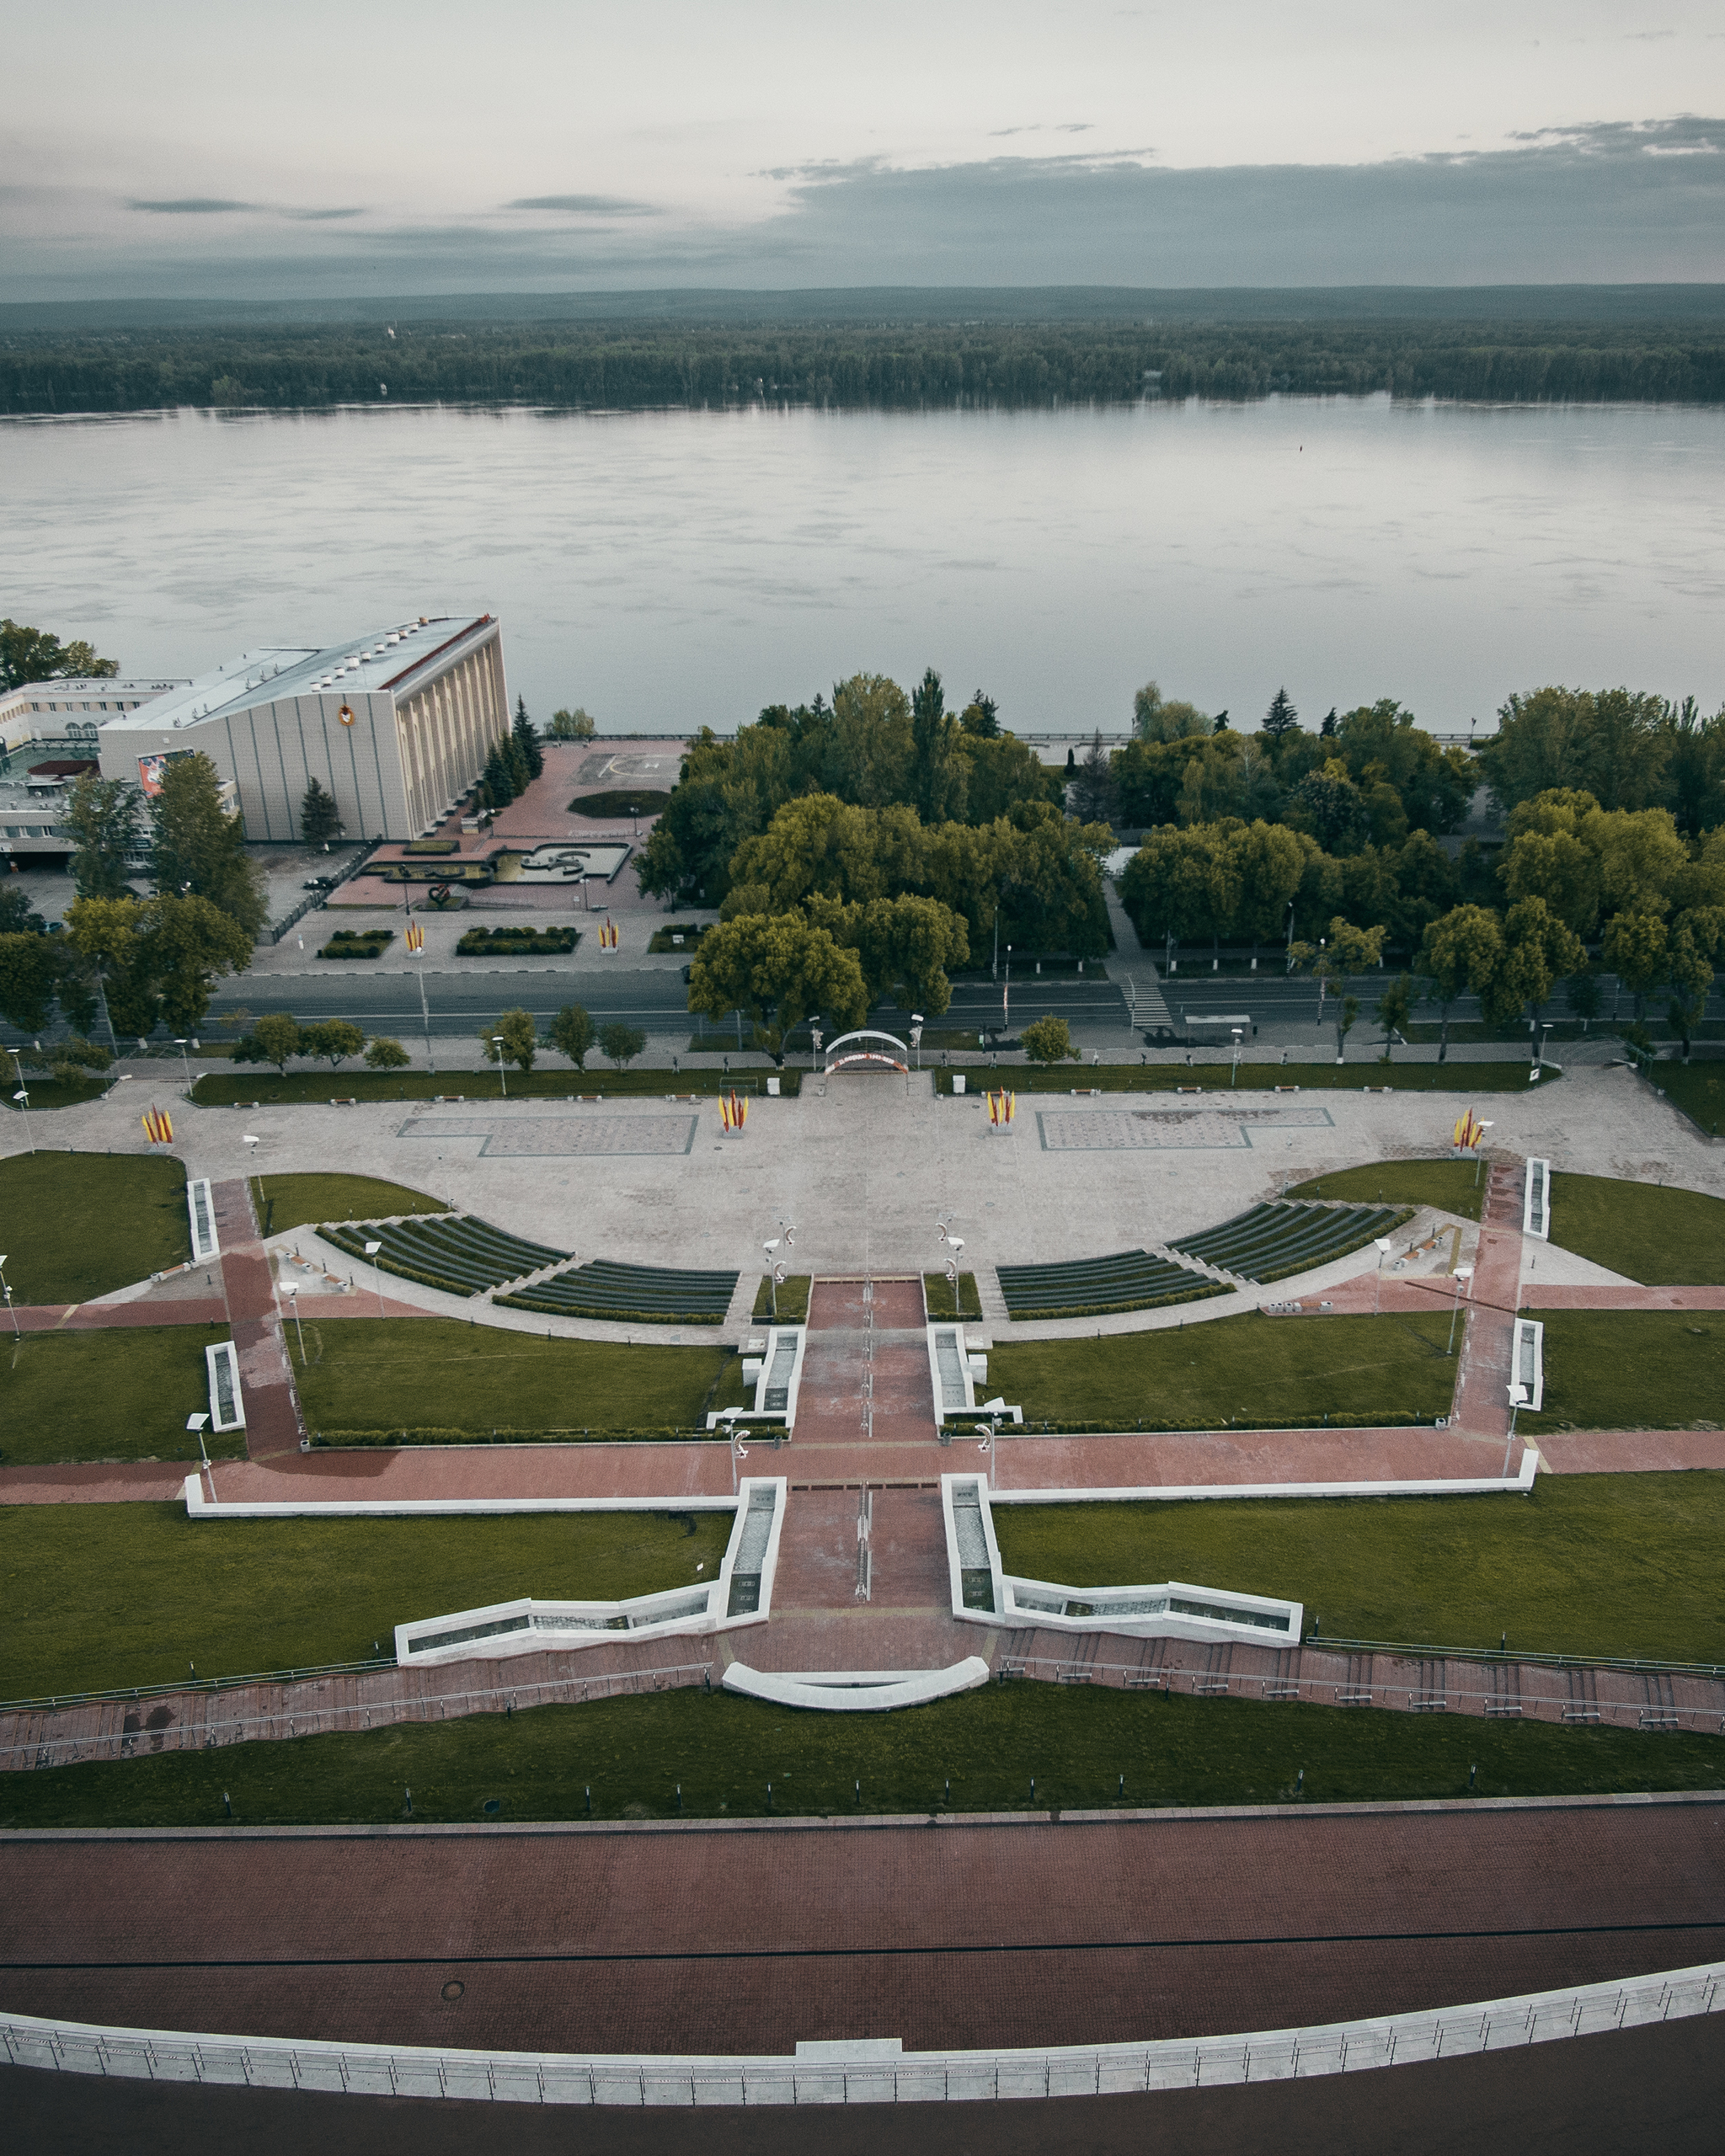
894,366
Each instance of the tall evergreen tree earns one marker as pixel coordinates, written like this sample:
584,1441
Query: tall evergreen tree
198,849
515,757
320,819
499,777
527,737
1281,718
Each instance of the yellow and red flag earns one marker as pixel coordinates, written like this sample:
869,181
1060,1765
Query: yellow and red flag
158,1126
415,936
1469,1131
734,1113
607,936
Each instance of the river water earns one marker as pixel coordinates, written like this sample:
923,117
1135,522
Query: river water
670,569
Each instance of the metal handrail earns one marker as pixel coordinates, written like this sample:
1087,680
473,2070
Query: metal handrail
201,1684
1426,1651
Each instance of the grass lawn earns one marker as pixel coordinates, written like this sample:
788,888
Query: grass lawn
1697,1088
270,1089
938,1298
102,1596
1609,1565
383,1374
1631,1370
1662,1236
284,1202
1256,1077
792,1299
1077,1741
1453,1186
77,1224
1251,1371
118,1394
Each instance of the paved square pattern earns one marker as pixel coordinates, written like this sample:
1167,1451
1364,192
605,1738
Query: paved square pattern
563,1137
1157,1130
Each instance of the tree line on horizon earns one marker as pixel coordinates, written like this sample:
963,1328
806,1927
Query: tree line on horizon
621,365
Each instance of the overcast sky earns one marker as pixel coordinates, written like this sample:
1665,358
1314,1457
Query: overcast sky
198,147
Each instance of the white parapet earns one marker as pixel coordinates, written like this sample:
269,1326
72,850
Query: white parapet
200,1208
1536,1206
777,1378
741,1593
855,1691
227,1409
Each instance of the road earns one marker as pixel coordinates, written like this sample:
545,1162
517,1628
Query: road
655,1000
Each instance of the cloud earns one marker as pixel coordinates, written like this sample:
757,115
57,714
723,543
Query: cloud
193,205
319,216
586,206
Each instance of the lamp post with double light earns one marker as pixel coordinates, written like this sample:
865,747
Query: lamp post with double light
1462,1272
1385,1246
497,1042
371,1251
7,1291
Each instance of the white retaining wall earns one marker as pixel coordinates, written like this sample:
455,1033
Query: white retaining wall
868,2070
200,1208
221,1369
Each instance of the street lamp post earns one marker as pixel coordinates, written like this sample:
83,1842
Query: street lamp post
916,1036
293,1304
181,1043
1462,1272
425,1007
817,1037
7,1292
371,1251
195,1423
1385,1246
771,1251
502,1076
1478,1157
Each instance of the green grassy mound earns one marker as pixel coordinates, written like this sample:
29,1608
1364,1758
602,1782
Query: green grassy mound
77,1224
270,1089
1251,1371
976,1753
1631,1370
1653,1233
1453,1186
102,1596
938,1296
1617,1566
285,1202
792,1299
621,801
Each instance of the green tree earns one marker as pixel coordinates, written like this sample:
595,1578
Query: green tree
1460,952
527,736
1092,792
1155,717
335,1039
1636,948
197,849
1395,1009
1327,803
1696,940
158,960
1049,1041
499,777
575,725
277,1035
874,753
1557,868
80,1062
1003,772
103,816
17,914
940,771
778,970
906,945
1281,718
1334,960
1614,743
519,1037
383,1053
572,1034
30,974
27,654
1581,992
1268,862
320,819
981,718
1539,949
1347,1017
621,1042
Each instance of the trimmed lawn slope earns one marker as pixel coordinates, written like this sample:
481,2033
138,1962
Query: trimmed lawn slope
285,1202
118,1394
1251,1371
77,1224
101,1596
384,1373
1619,1566
1452,1186
1076,1741
1631,1370
1656,1234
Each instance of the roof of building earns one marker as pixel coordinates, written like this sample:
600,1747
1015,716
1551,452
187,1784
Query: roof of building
101,686
369,665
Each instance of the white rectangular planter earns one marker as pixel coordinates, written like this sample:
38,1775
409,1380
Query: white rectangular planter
1527,1366
228,1409
1536,1206
200,1208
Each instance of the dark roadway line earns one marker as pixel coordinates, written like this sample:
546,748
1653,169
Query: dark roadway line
882,1953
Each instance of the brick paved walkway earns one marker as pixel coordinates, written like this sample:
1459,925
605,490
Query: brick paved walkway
750,1938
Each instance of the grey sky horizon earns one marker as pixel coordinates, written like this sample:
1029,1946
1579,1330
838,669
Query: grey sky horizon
218,152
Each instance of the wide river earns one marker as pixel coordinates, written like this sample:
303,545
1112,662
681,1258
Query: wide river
671,569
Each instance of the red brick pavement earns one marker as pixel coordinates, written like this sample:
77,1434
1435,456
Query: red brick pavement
266,1375
1536,1297
748,1939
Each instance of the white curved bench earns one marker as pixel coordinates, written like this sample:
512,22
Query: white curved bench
855,1691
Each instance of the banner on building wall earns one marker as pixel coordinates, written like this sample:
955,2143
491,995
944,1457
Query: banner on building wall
152,770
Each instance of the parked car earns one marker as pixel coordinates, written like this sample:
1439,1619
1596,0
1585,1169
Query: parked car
320,883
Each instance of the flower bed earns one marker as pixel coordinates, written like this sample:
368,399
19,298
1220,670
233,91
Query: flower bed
358,943
516,942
